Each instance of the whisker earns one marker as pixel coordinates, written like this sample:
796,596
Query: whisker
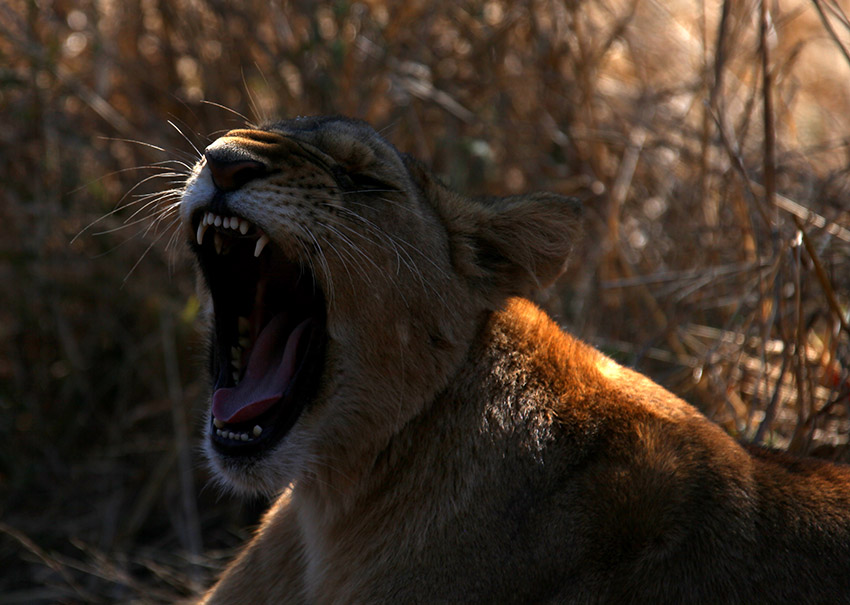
393,244
160,215
354,191
365,257
349,255
148,201
323,261
188,140
150,146
173,240
134,142
153,202
120,205
142,257
255,108
154,166
230,109
123,226
391,238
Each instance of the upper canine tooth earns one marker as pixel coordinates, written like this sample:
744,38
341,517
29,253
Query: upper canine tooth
261,243
202,227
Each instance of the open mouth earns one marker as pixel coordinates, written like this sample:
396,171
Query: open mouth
268,337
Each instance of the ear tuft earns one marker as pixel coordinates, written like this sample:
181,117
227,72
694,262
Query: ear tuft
523,242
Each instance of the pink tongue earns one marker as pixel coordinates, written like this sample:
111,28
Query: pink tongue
270,368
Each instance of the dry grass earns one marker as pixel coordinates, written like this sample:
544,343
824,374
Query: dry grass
708,140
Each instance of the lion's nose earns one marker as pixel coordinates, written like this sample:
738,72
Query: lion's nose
229,174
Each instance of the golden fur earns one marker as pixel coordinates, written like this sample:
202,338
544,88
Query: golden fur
459,446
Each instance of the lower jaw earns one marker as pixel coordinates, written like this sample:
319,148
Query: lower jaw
257,435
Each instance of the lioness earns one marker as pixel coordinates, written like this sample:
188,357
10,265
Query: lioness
432,435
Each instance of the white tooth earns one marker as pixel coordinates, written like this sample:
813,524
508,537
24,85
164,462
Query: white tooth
231,222
218,242
220,433
244,226
258,430
244,437
202,228
218,423
231,435
208,218
217,221
261,243
235,375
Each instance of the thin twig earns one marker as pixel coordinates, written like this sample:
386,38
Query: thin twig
831,31
823,278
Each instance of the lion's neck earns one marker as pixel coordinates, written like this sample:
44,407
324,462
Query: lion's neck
453,446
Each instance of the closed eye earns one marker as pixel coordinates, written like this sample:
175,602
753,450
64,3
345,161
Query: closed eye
364,183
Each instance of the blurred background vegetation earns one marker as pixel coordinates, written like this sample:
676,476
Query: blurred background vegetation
707,138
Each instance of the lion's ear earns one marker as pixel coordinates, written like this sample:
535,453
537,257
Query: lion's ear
522,243
506,245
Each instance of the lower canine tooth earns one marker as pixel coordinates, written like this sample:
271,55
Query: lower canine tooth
218,243
218,423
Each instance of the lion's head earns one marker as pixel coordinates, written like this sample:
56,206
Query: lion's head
343,285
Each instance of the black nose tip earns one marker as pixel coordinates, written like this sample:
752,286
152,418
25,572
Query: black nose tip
229,175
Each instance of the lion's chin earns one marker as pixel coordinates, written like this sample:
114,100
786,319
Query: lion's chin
255,476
